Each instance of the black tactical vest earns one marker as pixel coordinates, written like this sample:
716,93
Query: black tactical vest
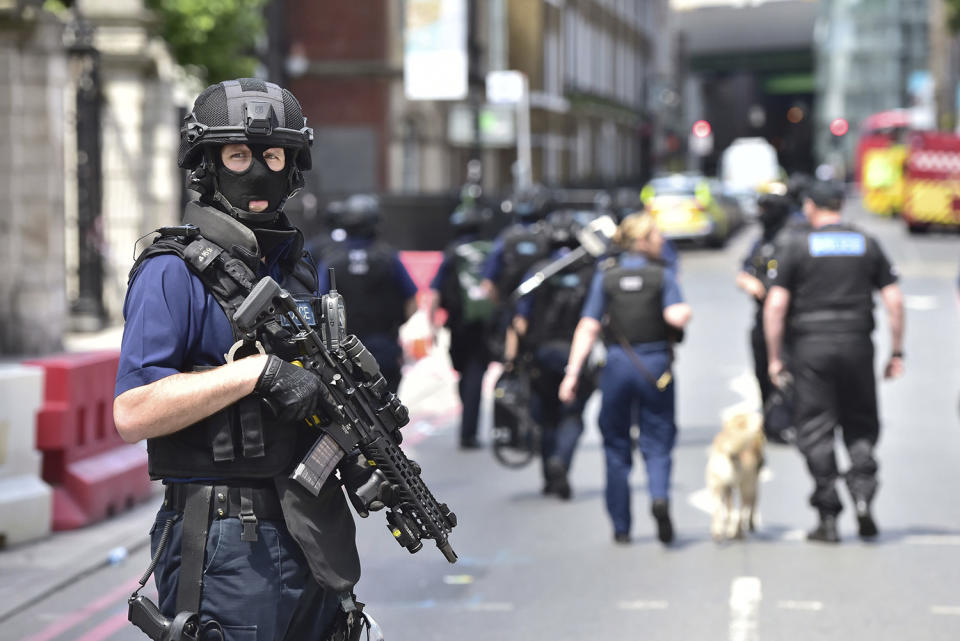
634,304
523,246
240,441
366,280
833,289
558,304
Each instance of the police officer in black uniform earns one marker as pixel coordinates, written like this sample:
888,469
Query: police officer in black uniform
378,291
759,267
544,325
471,314
236,540
515,250
823,294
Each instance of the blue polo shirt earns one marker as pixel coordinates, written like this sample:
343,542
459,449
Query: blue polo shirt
172,323
596,303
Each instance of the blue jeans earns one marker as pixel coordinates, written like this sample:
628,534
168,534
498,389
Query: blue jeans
251,588
628,395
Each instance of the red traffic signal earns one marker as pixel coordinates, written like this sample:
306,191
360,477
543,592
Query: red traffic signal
839,127
701,129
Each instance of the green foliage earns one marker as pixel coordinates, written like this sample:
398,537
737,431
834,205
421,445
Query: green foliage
214,38
953,14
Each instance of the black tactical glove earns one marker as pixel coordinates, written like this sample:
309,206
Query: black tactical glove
367,487
295,393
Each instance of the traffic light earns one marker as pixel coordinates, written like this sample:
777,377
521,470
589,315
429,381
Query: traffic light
839,127
701,129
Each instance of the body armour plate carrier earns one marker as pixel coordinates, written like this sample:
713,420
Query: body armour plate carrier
523,246
365,279
634,305
234,442
557,305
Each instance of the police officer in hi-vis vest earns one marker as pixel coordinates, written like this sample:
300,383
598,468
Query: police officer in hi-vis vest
822,295
236,541
636,302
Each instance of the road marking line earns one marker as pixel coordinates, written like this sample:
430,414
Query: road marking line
809,606
643,605
953,610
491,607
932,539
745,597
921,303
106,629
77,617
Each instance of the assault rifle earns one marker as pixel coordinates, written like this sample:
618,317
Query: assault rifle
594,242
373,414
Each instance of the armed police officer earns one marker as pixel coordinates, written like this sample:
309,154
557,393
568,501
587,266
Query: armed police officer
236,541
515,250
637,303
823,294
379,292
471,313
758,269
541,333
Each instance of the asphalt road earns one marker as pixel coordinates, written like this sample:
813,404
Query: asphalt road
537,568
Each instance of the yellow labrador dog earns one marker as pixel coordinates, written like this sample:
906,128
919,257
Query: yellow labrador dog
733,466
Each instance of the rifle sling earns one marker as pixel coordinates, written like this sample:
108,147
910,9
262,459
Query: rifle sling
196,523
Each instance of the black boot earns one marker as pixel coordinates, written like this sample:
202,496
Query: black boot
868,527
661,513
826,530
557,483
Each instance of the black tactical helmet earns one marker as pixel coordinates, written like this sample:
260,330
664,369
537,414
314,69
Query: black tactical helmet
531,203
246,111
469,218
358,214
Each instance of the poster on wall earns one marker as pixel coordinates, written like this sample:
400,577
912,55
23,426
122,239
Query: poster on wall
435,50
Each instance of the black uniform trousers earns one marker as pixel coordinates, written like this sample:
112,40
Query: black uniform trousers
836,388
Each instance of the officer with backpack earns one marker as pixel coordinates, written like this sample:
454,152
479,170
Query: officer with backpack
376,288
544,324
457,287
515,251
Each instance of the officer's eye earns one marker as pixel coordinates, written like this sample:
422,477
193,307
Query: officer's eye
275,157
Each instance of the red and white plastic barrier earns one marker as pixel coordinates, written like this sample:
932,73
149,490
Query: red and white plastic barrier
25,500
94,474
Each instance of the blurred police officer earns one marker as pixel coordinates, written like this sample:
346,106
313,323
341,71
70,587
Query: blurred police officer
516,248
377,290
544,325
759,267
219,449
638,304
823,294
470,312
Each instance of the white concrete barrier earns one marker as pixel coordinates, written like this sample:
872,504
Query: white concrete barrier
26,508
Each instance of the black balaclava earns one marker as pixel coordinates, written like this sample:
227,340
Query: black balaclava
256,182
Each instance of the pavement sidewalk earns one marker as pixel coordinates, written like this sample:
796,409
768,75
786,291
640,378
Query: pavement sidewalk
32,571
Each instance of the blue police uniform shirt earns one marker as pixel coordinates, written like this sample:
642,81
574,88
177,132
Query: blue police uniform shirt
670,256
172,323
596,303
400,274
